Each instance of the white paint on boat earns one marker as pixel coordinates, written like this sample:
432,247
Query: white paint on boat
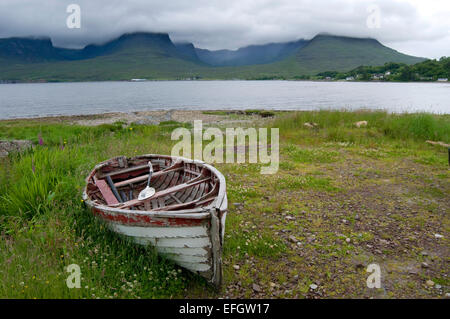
186,258
175,242
195,266
161,232
222,222
188,246
184,251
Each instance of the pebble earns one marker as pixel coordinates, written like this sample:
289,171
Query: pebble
348,240
425,265
311,238
313,286
256,288
447,295
293,239
272,284
438,286
424,253
236,267
299,243
438,236
289,217
430,283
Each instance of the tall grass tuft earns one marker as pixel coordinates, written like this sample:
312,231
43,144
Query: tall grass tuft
335,125
419,126
37,178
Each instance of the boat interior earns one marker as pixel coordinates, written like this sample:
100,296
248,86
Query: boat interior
179,185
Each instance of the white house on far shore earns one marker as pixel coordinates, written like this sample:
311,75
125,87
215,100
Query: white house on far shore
442,80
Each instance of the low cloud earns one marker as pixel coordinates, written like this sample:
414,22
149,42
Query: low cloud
415,27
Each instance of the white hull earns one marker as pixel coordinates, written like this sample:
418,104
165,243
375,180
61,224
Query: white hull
188,246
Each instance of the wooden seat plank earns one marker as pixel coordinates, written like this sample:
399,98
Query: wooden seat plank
145,177
166,192
107,193
125,170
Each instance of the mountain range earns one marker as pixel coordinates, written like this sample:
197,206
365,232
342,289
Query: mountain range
155,56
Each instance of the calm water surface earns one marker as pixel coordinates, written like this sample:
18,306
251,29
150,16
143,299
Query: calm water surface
47,99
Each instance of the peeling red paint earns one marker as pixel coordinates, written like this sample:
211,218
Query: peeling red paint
141,219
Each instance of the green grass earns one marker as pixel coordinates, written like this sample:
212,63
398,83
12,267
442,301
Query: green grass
317,155
339,125
40,203
254,244
326,175
304,182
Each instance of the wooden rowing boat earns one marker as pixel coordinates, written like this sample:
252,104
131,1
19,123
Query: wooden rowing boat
184,219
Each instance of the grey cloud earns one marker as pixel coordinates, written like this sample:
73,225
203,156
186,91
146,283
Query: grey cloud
216,24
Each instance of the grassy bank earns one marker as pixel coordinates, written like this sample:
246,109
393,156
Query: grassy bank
344,197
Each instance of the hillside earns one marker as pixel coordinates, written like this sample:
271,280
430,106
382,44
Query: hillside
136,55
427,70
28,50
155,56
333,53
430,70
253,54
322,53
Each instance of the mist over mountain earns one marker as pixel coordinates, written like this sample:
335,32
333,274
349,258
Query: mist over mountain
253,54
42,49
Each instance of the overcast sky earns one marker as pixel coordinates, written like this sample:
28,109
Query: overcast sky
417,27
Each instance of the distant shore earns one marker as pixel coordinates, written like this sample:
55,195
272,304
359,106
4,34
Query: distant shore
207,80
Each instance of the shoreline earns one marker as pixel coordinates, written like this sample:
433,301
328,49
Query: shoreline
145,117
187,115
